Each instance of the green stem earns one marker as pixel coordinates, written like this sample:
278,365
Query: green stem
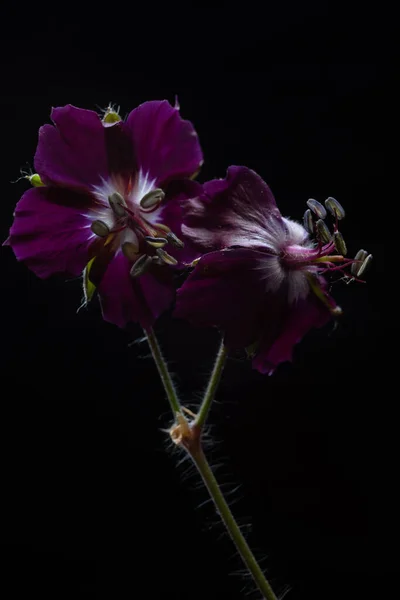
229,521
211,387
163,371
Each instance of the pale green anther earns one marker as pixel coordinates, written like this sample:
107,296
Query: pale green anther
155,242
140,266
100,228
365,265
323,233
339,242
35,180
130,250
335,208
174,240
308,221
165,257
359,259
111,116
152,199
317,208
117,203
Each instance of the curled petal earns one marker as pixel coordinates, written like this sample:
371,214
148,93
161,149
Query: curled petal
50,232
166,146
239,210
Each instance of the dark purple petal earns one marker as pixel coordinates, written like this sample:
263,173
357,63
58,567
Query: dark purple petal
239,210
50,232
125,300
225,290
177,193
166,146
72,153
296,323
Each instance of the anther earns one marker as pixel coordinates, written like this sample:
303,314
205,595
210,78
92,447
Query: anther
317,208
358,262
165,257
339,242
117,203
335,208
100,228
308,221
174,240
130,250
35,180
111,116
155,242
163,227
140,266
324,235
152,199
365,265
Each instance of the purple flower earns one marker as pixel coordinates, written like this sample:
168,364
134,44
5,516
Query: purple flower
106,203
262,279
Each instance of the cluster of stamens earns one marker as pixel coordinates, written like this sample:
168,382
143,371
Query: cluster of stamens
151,237
328,242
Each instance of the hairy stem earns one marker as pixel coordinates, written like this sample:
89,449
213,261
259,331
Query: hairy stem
211,387
228,519
163,371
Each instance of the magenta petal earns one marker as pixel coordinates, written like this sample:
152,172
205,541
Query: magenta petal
165,145
72,153
239,210
177,193
298,321
50,232
158,295
125,300
225,291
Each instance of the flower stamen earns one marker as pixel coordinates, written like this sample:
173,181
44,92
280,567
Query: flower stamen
165,257
141,266
323,233
152,200
117,204
339,242
130,250
316,208
155,242
335,208
100,228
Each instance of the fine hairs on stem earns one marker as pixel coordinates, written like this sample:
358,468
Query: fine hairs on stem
187,434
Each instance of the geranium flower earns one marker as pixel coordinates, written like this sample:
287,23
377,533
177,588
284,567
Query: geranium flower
105,203
262,278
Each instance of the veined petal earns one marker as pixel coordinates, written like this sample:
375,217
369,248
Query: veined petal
51,232
72,152
239,210
166,146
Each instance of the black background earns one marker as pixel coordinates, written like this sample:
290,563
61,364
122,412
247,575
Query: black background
94,504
